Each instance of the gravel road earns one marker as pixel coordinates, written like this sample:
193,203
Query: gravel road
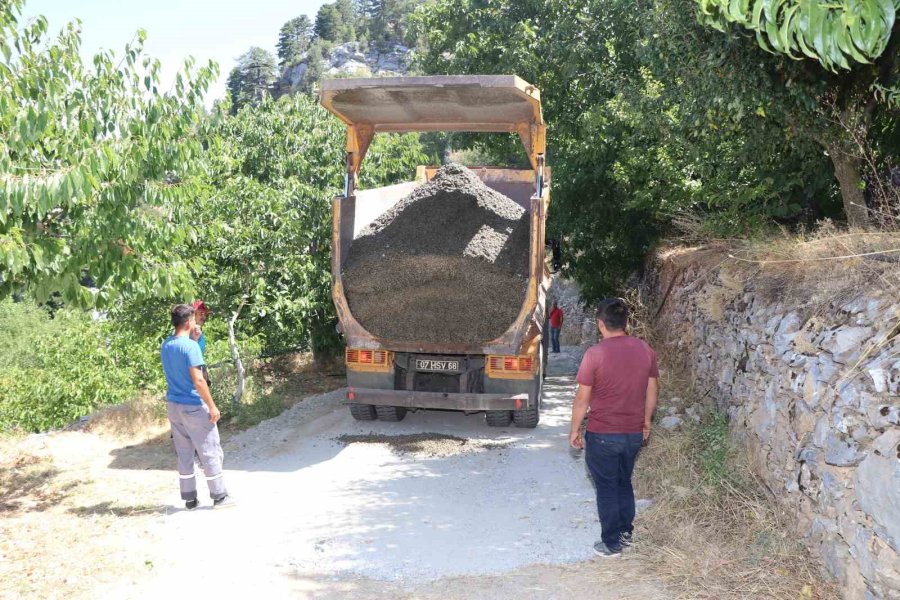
333,508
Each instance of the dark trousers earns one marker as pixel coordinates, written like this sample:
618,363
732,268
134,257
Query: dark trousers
610,460
554,338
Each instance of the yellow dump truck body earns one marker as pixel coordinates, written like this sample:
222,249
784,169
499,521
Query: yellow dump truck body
483,103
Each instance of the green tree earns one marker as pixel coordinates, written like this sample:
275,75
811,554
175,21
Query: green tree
835,34
860,45
386,20
265,225
293,40
315,66
252,78
650,115
96,166
65,368
349,15
329,23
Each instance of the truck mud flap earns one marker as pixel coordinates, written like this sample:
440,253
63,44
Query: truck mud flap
467,402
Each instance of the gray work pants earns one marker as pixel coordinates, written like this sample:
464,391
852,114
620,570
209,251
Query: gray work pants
192,432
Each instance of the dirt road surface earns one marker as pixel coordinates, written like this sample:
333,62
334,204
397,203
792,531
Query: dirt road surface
437,506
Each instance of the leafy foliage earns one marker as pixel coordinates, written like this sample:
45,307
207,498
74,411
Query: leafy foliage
834,33
53,371
252,78
387,20
294,39
265,226
96,164
855,106
650,116
335,22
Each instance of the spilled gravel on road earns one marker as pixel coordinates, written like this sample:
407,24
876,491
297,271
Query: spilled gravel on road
425,445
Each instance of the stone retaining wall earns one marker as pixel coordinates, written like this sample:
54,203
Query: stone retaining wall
815,397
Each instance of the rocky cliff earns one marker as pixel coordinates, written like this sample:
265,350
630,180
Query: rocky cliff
352,59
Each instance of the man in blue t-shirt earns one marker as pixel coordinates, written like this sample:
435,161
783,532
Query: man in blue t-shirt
192,412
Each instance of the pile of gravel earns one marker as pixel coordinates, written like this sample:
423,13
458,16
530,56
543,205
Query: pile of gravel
425,445
447,264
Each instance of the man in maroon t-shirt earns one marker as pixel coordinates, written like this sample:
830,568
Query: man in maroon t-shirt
619,382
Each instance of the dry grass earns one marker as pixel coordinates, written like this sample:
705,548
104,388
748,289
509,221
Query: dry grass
68,522
77,508
141,418
713,531
820,271
272,387
640,317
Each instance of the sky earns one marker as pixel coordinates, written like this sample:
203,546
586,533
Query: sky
220,30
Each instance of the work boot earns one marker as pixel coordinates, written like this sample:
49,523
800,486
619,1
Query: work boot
191,504
604,551
224,502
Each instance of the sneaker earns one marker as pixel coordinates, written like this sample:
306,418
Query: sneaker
224,502
626,539
191,504
601,549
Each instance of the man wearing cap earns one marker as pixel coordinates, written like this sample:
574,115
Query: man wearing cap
200,314
192,412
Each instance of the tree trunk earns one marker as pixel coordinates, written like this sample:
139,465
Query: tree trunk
324,341
846,170
235,355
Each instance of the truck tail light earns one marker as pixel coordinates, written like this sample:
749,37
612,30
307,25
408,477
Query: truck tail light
373,360
510,367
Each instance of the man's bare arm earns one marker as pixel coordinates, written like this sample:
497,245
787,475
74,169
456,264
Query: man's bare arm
203,390
579,411
650,404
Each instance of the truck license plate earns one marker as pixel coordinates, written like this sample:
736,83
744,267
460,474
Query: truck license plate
437,366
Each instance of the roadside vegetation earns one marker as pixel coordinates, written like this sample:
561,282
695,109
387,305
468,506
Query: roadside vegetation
714,530
121,198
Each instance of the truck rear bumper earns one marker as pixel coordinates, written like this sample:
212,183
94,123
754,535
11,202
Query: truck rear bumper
444,400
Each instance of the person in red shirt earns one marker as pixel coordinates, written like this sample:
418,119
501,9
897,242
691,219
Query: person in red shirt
618,388
200,313
556,321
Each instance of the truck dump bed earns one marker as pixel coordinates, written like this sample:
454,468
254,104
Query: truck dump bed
459,103
448,365
368,205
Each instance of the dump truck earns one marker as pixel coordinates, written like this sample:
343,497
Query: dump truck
501,377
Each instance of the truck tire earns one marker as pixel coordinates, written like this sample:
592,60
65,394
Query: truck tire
362,412
527,419
390,413
498,418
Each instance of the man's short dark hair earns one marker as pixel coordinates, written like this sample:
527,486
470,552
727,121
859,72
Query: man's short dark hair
614,313
181,314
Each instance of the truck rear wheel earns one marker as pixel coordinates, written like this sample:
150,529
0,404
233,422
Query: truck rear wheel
362,412
498,418
390,413
527,418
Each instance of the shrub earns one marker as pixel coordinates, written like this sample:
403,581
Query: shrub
55,370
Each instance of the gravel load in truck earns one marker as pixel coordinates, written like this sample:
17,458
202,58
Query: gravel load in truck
447,264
